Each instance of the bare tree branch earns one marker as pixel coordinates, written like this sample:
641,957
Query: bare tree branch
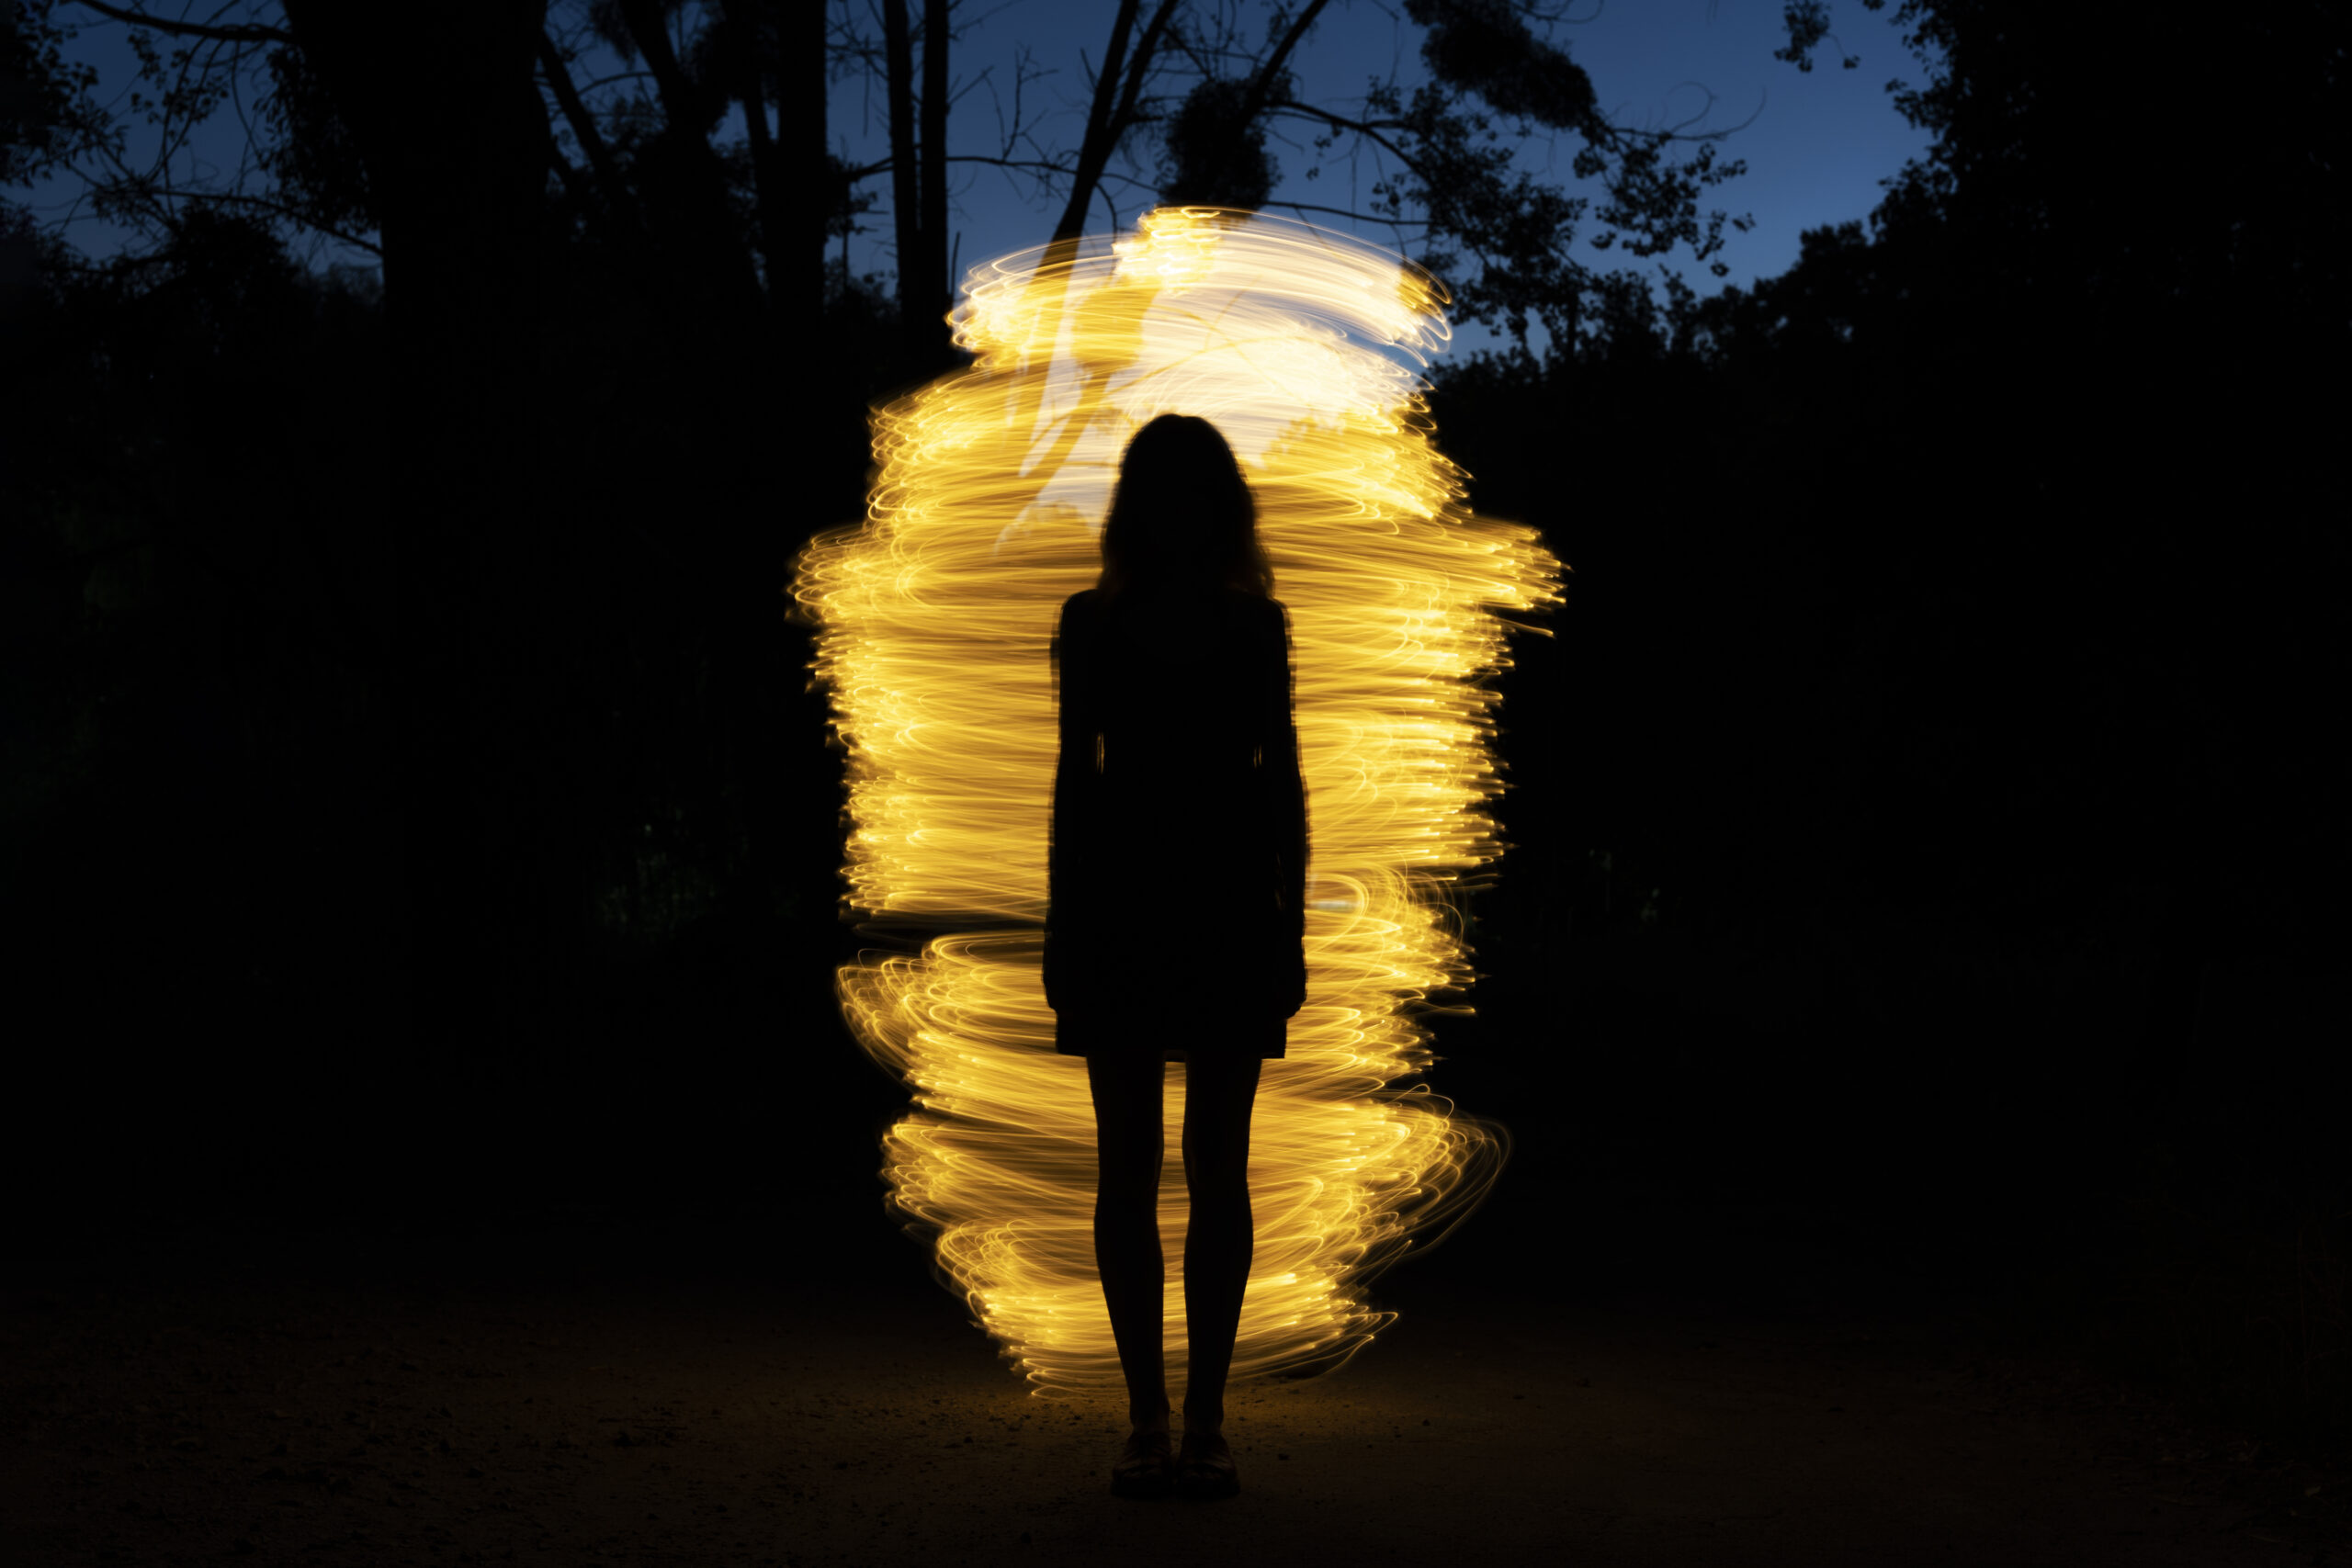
1380,218
681,102
239,199
767,176
250,34
583,125
1098,114
1370,129
1108,124
1147,54
1037,166
1262,80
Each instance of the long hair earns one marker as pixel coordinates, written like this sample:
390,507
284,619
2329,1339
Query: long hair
1181,516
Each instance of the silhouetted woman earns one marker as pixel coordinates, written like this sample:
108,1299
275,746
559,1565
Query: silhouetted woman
1177,886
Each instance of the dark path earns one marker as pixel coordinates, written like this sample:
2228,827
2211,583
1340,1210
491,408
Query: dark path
1695,1324
587,1393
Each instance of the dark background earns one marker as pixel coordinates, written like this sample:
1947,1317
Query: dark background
1928,815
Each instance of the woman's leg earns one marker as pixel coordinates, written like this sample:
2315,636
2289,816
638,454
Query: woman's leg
1218,1096
1129,1147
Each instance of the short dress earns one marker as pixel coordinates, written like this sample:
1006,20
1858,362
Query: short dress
1177,871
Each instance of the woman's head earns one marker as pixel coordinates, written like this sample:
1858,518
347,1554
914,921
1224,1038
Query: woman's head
1182,517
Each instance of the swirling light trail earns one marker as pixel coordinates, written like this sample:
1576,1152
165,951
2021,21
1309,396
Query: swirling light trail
1306,348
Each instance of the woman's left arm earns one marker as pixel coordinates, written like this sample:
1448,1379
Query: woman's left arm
1073,805
1286,800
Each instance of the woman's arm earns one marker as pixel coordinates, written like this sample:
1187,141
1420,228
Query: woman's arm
1067,833
1286,799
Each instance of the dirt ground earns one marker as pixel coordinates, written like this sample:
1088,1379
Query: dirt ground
524,1401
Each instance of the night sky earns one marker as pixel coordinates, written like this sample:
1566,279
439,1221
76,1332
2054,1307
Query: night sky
1906,993
1817,143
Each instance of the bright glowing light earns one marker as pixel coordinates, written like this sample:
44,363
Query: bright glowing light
1305,348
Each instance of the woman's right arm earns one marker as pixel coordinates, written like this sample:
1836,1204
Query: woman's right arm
1073,806
1286,795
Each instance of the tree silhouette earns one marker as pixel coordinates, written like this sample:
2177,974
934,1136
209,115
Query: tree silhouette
1966,663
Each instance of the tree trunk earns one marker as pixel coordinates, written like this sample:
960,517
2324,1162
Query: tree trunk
1117,88
490,903
768,175
808,139
919,185
804,43
906,209
933,339
1103,128
683,187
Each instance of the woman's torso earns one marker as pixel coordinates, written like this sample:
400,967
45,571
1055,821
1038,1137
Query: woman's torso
1177,692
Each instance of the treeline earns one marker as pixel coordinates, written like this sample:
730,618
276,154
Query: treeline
404,721
1940,730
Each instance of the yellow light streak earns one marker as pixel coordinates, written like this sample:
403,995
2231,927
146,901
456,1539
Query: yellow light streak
1305,348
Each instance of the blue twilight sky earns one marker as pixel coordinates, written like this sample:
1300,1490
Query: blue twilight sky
1816,144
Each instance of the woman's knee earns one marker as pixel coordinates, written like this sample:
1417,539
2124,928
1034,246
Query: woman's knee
1218,1195
1129,1166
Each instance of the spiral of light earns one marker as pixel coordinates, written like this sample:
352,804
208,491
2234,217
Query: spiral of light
1305,348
